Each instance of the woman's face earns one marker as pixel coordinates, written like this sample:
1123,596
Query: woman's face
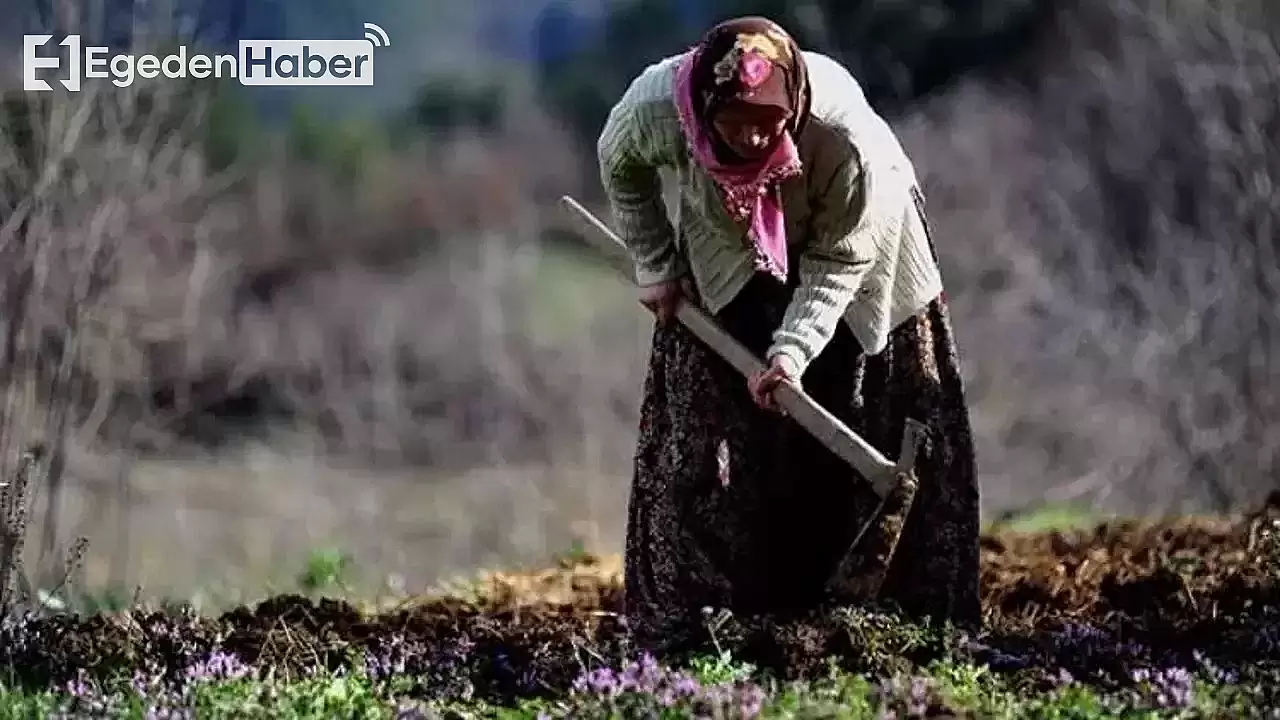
751,131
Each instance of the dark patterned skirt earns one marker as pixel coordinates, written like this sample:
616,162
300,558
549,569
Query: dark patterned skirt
733,507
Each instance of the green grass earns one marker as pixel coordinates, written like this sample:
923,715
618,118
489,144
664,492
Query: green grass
939,689
1047,518
323,697
570,289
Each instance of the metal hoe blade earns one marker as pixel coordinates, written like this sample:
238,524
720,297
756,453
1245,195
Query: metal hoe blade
895,483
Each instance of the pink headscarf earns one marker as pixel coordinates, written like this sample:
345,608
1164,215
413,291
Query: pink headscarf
750,190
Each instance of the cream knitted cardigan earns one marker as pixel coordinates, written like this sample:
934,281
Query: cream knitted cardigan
865,255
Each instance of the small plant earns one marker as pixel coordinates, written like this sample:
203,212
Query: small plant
577,554
15,498
15,508
722,665
909,697
1267,532
325,570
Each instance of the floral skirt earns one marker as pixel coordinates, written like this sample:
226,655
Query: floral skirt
733,507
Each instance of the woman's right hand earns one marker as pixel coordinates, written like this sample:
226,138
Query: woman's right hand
663,299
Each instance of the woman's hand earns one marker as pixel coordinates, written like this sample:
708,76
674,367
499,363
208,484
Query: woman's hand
763,384
664,298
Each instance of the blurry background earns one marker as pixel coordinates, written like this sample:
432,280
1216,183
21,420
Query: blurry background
243,324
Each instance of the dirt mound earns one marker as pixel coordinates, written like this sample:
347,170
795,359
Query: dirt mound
587,583
1097,604
1154,573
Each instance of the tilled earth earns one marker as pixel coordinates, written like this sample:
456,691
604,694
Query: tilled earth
1096,604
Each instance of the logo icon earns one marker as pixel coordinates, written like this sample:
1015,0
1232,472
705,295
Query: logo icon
32,62
376,36
258,62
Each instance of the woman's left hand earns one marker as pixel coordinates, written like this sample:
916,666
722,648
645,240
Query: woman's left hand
764,383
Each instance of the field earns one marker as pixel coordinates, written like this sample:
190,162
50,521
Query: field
1179,618
364,345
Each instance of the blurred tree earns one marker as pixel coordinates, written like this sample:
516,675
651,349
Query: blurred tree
443,106
580,87
233,132
116,23
899,49
222,24
220,109
558,33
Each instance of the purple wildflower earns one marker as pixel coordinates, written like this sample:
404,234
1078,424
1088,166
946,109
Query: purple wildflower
384,664
1089,640
898,698
84,697
148,680
410,711
1167,688
918,696
751,701
645,675
1216,674
667,688
80,686
601,681
162,712
1076,636
218,665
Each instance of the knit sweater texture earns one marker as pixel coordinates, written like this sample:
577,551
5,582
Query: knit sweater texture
864,255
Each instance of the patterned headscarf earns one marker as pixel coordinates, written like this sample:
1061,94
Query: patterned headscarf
751,60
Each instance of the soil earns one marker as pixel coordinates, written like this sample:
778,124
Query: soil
1096,603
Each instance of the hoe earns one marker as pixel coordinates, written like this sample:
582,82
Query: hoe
862,571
